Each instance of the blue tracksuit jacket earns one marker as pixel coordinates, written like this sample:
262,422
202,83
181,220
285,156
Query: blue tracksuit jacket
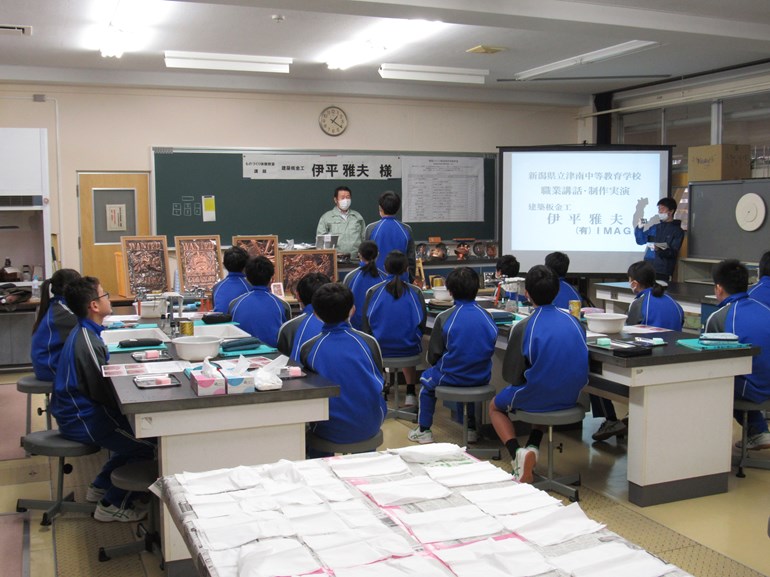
391,234
663,311
663,261
761,291
566,293
49,337
261,314
397,324
359,282
229,289
296,332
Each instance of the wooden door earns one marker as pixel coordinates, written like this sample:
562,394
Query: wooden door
112,205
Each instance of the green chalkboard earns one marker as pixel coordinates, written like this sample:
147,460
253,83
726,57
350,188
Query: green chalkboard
289,209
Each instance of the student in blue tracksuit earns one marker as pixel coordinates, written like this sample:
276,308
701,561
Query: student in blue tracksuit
460,350
235,283
363,278
53,324
296,332
651,306
507,267
761,291
546,363
395,315
750,320
663,239
259,312
350,358
390,233
85,407
559,262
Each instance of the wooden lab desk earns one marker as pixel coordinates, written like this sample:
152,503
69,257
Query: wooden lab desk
203,433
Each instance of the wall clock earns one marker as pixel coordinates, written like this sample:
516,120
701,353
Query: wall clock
333,120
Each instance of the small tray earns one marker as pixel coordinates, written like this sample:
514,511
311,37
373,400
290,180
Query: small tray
150,382
625,349
141,356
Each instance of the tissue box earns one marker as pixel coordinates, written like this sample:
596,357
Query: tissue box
237,384
207,386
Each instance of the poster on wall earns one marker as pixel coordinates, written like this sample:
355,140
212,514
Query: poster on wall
199,261
145,259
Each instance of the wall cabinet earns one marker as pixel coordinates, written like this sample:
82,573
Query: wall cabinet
16,338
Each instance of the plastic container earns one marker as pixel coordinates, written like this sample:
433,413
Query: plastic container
196,348
605,322
36,288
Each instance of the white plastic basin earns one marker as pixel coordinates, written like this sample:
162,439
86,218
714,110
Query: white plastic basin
606,322
116,335
222,331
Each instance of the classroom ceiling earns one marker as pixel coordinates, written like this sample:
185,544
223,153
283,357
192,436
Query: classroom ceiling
693,36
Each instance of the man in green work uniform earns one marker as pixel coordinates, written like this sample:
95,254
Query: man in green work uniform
346,223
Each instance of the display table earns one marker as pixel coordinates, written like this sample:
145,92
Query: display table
200,433
389,513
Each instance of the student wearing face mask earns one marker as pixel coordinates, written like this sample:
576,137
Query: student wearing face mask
663,236
343,221
652,306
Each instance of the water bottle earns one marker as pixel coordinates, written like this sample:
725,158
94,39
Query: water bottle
36,288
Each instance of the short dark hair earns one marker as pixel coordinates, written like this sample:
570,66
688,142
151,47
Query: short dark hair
259,270
340,189
389,202
559,262
463,283
542,284
332,302
310,283
235,258
368,250
79,293
731,275
668,202
508,265
764,264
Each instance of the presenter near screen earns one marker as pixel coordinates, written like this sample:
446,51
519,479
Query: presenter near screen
663,236
342,221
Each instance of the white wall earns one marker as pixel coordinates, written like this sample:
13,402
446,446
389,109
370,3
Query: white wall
107,129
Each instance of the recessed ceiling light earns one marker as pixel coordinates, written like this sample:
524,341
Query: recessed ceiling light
484,49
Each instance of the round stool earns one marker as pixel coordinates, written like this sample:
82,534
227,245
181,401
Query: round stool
136,477
30,385
325,446
52,444
392,366
745,406
476,396
574,414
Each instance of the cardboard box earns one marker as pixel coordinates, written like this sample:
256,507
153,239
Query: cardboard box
719,162
206,386
239,384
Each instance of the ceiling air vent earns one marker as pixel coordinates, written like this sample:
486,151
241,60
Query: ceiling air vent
12,30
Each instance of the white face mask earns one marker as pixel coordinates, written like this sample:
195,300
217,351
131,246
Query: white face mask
344,203
663,216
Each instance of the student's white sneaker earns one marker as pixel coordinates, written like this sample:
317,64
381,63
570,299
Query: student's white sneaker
410,401
107,514
756,442
422,437
523,464
95,494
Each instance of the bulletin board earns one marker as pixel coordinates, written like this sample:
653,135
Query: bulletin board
289,209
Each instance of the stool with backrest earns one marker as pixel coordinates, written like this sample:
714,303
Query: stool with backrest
392,367
52,444
470,397
324,446
30,385
137,477
551,419
746,461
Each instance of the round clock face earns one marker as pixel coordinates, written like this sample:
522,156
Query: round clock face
333,121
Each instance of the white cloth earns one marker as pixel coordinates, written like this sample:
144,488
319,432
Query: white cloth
355,514
490,558
467,474
513,522
405,491
610,559
358,547
510,500
228,532
431,452
563,524
276,557
414,566
450,524
367,466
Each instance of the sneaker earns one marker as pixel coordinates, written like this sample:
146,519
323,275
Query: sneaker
523,465
422,437
410,401
756,442
95,494
107,514
473,436
610,429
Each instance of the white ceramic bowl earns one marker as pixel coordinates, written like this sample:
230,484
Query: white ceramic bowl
605,322
196,348
441,293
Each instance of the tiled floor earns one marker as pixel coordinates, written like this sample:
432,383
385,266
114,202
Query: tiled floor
733,524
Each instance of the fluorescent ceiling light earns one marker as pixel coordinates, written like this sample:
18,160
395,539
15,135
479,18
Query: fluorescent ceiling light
238,62
373,43
595,56
122,26
114,42
433,73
